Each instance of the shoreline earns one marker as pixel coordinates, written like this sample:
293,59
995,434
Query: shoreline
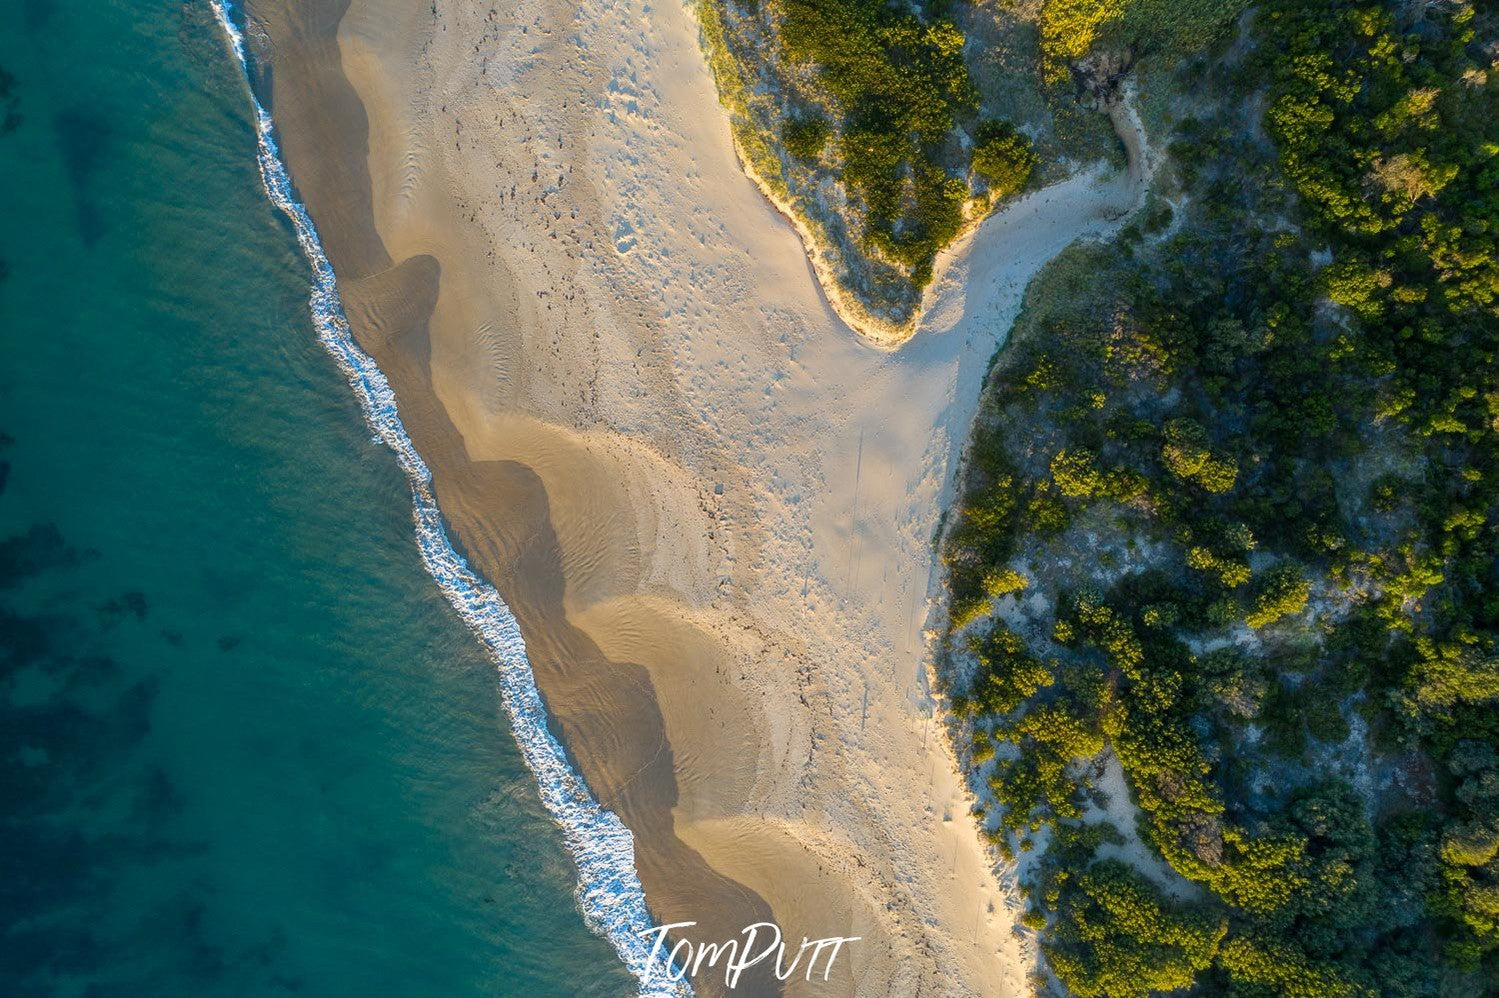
609,893
710,508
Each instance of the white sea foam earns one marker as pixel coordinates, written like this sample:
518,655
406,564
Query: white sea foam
609,892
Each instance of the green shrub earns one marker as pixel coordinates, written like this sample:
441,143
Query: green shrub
1282,592
1117,937
805,136
1188,455
1273,966
1007,675
1003,157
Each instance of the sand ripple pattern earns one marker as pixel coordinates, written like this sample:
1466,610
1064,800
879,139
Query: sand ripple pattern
609,891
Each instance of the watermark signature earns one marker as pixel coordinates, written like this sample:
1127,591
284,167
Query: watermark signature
685,957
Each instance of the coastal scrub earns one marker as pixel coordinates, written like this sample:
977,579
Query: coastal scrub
862,119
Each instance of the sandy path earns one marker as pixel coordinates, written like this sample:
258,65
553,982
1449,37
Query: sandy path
711,505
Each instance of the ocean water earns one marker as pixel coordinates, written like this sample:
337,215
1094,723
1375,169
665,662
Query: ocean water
249,747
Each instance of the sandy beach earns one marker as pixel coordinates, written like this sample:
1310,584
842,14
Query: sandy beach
711,505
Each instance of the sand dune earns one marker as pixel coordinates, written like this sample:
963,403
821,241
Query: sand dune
711,504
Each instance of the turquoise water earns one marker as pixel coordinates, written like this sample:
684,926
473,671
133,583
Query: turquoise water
249,748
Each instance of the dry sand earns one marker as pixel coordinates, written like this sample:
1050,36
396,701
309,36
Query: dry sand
710,504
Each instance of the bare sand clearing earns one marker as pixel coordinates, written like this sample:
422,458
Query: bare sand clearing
710,504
